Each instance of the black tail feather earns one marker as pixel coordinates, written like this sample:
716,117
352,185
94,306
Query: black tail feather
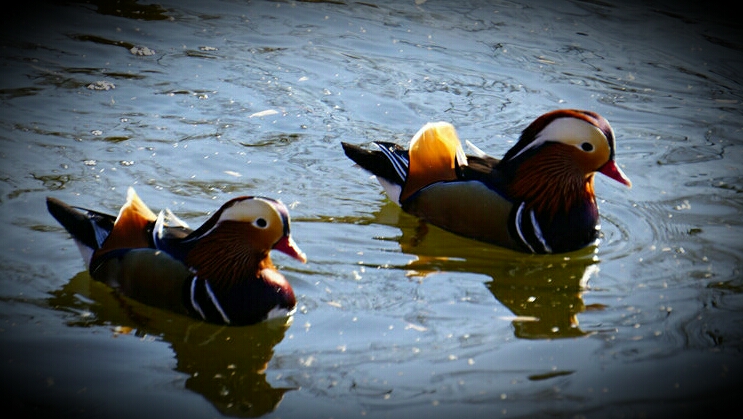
79,222
374,161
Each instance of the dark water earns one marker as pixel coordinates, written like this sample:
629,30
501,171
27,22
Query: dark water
194,103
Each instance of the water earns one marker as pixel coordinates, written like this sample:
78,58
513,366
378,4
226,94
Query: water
394,320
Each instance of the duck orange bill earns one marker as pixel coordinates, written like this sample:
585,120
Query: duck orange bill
613,171
286,245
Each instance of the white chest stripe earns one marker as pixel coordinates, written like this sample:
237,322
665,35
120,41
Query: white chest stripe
517,223
535,227
195,304
538,232
215,302
212,299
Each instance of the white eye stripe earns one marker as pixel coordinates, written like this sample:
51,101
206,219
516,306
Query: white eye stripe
571,131
251,211
246,210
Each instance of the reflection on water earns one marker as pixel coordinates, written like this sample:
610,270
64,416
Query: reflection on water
543,292
227,365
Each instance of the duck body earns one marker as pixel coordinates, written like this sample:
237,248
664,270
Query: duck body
538,198
221,272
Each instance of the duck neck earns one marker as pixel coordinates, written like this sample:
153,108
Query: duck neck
224,261
550,186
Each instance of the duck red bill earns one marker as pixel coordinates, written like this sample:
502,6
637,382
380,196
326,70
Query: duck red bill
287,245
613,171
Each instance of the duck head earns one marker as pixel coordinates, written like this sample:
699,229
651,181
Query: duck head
558,155
236,240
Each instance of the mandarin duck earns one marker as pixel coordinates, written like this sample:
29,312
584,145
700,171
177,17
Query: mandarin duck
538,198
221,272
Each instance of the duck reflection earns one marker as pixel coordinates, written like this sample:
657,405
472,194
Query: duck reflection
544,292
225,364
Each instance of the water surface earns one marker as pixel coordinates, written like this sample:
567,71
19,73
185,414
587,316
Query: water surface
194,103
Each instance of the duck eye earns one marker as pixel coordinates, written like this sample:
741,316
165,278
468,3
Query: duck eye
260,223
586,147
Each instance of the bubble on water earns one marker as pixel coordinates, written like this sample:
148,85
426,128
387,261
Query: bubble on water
101,85
141,50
